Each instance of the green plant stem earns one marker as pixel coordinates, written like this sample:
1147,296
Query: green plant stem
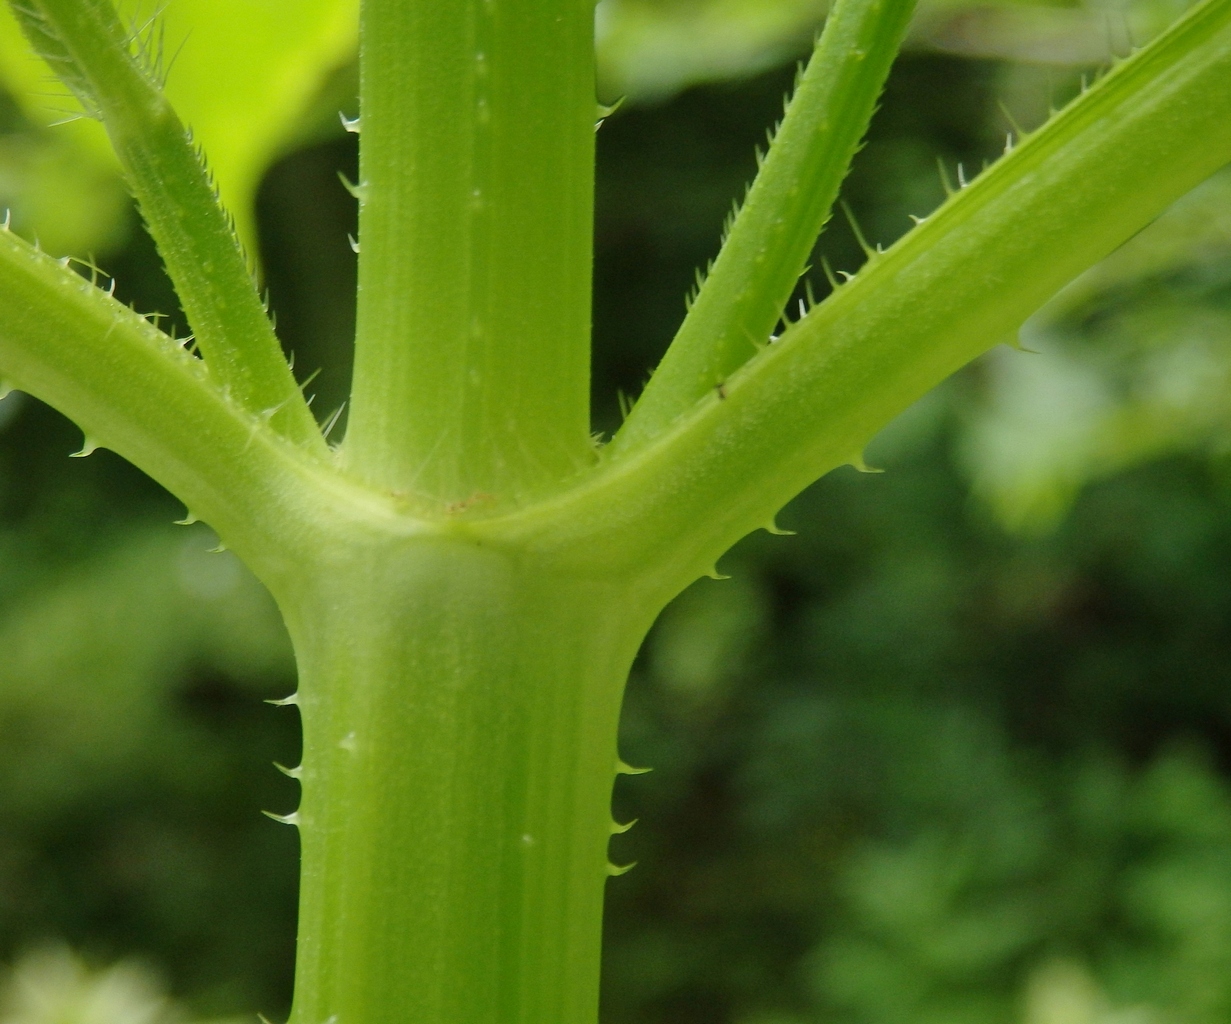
132,389
952,288
771,238
459,712
88,45
472,356
460,679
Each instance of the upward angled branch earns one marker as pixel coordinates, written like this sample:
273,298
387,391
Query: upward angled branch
948,290
134,390
790,201
88,46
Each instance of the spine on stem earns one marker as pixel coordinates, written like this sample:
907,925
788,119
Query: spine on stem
957,284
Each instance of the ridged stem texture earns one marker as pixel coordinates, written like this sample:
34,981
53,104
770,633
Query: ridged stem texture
472,352
460,711
960,283
467,591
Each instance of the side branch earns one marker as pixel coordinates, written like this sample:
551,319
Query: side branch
790,201
88,46
132,389
960,283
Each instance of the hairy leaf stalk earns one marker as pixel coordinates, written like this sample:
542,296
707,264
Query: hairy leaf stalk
101,61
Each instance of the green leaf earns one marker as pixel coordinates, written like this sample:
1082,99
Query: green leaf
67,197
240,75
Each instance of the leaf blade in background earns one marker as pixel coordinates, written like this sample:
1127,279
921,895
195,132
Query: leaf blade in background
240,74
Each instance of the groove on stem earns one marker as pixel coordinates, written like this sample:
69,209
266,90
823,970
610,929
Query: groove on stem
471,380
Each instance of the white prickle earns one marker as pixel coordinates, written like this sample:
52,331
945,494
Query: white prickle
627,769
358,191
88,447
332,421
605,110
857,462
774,529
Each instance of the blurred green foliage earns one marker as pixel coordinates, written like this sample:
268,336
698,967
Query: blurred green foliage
652,48
1137,365
941,757
52,986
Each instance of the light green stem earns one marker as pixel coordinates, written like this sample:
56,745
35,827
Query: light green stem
771,238
471,380
952,288
132,389
459,711
461,673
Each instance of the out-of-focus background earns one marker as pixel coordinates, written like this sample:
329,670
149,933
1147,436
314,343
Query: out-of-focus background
958,752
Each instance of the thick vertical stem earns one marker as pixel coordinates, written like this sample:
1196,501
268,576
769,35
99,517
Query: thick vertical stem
459,717
476,164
